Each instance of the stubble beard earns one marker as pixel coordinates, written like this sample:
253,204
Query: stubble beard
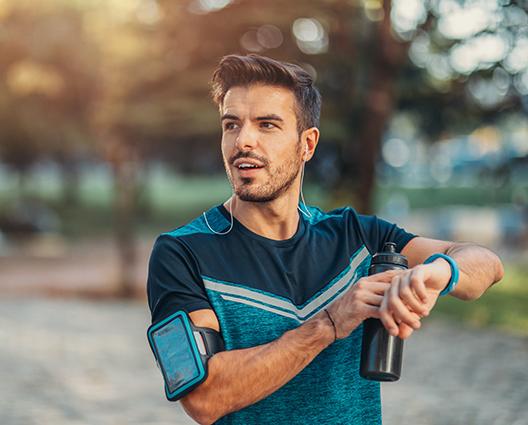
280,181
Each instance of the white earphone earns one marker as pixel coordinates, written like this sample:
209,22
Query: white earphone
306,212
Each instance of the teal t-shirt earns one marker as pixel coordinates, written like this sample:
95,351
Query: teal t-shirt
260,288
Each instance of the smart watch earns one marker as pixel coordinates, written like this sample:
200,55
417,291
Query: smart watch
182,350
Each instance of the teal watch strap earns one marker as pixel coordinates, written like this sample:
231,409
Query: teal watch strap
454,271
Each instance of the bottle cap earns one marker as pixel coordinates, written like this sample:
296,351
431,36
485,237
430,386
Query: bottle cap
389,256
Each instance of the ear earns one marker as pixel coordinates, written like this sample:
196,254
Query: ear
309,139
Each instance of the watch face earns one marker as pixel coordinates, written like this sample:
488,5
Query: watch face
177,354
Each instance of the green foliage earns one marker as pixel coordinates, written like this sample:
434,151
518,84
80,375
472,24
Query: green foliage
48,74
502,306
431,197
76,74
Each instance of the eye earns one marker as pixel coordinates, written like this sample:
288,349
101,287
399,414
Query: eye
267,124
230,126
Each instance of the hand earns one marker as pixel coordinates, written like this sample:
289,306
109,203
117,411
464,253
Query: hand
360,302
412,295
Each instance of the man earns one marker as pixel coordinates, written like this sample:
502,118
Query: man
287,284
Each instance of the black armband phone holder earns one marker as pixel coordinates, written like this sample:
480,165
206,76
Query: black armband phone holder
182,351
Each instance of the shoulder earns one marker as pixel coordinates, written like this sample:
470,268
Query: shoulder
197,226
337,216
340,225
349,216
317,215
177,240
207,224
359,229
193,239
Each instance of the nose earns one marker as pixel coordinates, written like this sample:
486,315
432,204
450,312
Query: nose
246,139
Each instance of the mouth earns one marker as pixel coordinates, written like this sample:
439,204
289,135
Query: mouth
248,166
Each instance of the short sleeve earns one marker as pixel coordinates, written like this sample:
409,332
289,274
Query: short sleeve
376,232
174,281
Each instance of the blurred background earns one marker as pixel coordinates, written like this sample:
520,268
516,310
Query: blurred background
108,135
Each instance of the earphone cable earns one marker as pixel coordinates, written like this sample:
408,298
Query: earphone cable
230,227
305,212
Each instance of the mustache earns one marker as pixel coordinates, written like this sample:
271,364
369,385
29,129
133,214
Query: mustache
250,155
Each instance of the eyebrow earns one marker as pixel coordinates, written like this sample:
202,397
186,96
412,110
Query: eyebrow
271,117
228,117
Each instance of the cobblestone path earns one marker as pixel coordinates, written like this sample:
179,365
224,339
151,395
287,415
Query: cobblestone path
87,362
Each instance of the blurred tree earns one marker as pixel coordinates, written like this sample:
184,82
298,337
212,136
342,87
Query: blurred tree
468,63
159,56
142,67
164,83
130,78
48,74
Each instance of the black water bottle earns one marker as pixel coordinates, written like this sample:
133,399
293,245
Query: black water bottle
381,353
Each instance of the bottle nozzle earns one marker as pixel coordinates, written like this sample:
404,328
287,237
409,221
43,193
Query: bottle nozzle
389,247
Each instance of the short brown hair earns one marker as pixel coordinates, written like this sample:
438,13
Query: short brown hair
244,71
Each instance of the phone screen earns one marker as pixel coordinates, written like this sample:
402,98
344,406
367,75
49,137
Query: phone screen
175,354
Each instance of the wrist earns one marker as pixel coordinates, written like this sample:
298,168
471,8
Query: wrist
333,324
453,281
322,329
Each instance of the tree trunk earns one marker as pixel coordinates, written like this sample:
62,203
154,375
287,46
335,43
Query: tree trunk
70,181
389,58
120,154
124,179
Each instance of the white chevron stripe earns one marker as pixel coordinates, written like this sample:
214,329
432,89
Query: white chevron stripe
286,307
262,307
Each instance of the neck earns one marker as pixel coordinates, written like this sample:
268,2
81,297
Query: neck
276,220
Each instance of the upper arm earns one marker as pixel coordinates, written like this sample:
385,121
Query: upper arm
420,249
174,279
205,318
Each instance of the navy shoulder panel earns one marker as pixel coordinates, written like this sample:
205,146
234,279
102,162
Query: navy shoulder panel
212,219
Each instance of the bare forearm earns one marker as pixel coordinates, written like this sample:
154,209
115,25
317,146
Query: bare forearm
479,269
240,378
413,294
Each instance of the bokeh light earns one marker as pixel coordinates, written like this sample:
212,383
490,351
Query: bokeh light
462,23
517,58
269,36
263,38
396,152
407,15
478,53
201,7
148,12
310,36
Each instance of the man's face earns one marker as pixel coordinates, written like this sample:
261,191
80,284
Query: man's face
260,144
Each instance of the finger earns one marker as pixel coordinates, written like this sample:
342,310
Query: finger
386,317
378,288
406,291
370,293
399,309
372,311
386,276
363,286
417,281
405,331
395,326
374,300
